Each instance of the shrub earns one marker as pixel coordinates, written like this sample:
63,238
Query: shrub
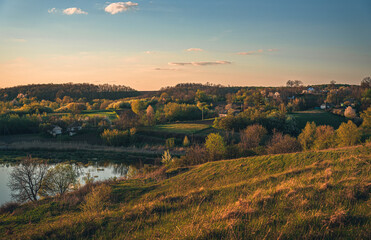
252,136
194,155
186,141
325,137
8,207
170,142
116,137
166,158
280,143
215,146
307,136
348,134
350,112
96,201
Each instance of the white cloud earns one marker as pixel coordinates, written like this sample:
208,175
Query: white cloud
71,11
52,10
195,50
199,63
118,7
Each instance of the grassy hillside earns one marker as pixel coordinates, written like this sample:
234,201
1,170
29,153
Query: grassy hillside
310,195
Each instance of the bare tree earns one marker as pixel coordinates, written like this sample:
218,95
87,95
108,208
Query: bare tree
26,179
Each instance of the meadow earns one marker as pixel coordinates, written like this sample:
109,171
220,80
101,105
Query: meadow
184,128
307,195
319,117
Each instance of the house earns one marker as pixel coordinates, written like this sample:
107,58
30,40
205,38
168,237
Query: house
277,95
223,113
56,130
325,106
73,129
311,90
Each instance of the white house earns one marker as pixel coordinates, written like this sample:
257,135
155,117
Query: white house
56,130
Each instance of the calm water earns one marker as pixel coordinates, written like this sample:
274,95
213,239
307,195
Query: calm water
99,172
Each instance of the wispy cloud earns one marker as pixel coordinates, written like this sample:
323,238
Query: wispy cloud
118,7
18,40
257,51
194,50
52,10
73,10
199,63
149,52
166,69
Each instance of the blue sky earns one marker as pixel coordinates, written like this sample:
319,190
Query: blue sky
144,44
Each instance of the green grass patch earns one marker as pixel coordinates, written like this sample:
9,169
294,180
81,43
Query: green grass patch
185,128
319,117
112,115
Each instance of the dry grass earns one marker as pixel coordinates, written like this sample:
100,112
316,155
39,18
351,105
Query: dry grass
309,195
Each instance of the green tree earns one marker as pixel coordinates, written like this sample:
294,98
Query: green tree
348,134
308,135
58,180
215,146
138,106
366,117
325,137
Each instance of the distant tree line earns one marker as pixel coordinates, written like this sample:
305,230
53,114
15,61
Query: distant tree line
53,91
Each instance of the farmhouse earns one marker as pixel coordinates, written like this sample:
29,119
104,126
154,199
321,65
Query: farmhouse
56,130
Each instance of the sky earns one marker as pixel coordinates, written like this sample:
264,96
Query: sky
152,44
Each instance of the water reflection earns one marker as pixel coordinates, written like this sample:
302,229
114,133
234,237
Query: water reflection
97,171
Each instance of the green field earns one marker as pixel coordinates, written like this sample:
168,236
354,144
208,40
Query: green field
184,128
319,117
112,115
308,195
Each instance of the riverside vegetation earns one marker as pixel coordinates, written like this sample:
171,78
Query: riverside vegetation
309,195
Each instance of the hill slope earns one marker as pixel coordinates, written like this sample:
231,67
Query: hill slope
306,195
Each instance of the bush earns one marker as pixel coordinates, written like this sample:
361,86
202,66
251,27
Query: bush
348,134
166,158
194,155
252,136
215,146
8,207
350,112
96,201
170,143
280,143
325,137
307,136
116,137
186,142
